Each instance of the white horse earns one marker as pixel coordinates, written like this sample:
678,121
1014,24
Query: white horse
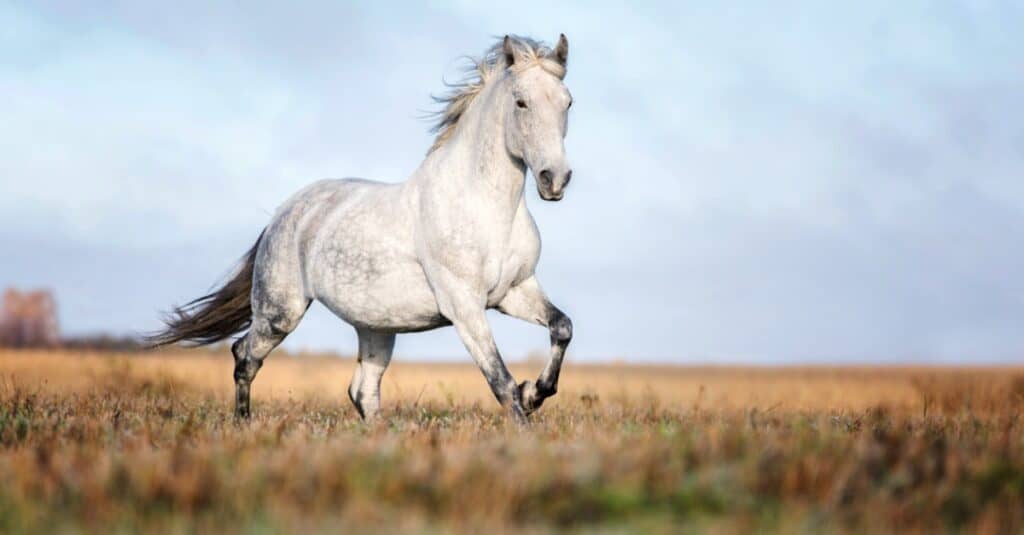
439,249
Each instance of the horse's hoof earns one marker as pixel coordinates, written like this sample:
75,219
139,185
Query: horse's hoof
530,397
519,415
242,414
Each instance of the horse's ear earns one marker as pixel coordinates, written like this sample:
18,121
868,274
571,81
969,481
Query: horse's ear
562,50
508,49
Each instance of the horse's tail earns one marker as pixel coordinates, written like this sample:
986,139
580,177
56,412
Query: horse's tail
215,316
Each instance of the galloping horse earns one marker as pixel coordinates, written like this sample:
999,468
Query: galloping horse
441,248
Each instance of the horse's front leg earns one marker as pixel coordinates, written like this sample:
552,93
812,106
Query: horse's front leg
527,301
468,315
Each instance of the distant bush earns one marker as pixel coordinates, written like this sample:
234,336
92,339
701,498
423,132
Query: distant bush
28,319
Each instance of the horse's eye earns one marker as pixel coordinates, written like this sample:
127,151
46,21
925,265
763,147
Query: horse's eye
521,103
570,105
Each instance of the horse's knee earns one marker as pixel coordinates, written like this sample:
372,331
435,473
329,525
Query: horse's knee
246,365
246,368
560,326
266,333
281,324
273,320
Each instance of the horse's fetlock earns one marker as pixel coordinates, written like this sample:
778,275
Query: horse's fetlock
357,401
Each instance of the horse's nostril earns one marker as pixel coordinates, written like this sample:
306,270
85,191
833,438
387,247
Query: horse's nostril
568,177
545,176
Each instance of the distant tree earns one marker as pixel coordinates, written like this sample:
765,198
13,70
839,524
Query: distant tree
29,319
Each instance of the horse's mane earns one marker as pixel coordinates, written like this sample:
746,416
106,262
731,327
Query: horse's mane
479,73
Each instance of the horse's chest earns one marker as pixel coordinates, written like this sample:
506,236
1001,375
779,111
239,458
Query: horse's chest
488,250
504,270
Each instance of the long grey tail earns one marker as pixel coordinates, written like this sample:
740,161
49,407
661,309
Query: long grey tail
215,316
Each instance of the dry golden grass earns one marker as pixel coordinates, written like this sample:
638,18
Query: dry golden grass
147,442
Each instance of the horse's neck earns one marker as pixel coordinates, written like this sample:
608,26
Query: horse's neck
476,162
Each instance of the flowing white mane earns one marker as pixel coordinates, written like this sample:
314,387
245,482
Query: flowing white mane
481,72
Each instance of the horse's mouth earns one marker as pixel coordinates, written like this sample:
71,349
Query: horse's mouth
552,197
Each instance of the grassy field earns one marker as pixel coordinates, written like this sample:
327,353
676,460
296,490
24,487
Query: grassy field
92,442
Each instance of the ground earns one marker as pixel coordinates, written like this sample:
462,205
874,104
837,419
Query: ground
147,442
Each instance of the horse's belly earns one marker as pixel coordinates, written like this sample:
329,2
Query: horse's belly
396,299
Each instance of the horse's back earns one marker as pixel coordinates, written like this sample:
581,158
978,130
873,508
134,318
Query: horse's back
307,213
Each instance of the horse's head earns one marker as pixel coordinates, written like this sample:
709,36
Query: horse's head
537,113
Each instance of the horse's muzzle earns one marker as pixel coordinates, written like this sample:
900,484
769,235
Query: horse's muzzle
551,186
553,197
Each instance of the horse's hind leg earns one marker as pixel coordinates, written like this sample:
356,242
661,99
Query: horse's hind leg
374,356
271,323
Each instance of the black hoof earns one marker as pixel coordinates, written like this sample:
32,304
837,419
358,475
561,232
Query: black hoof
519,415
530,396
243,413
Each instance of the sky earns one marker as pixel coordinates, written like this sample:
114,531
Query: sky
792,182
